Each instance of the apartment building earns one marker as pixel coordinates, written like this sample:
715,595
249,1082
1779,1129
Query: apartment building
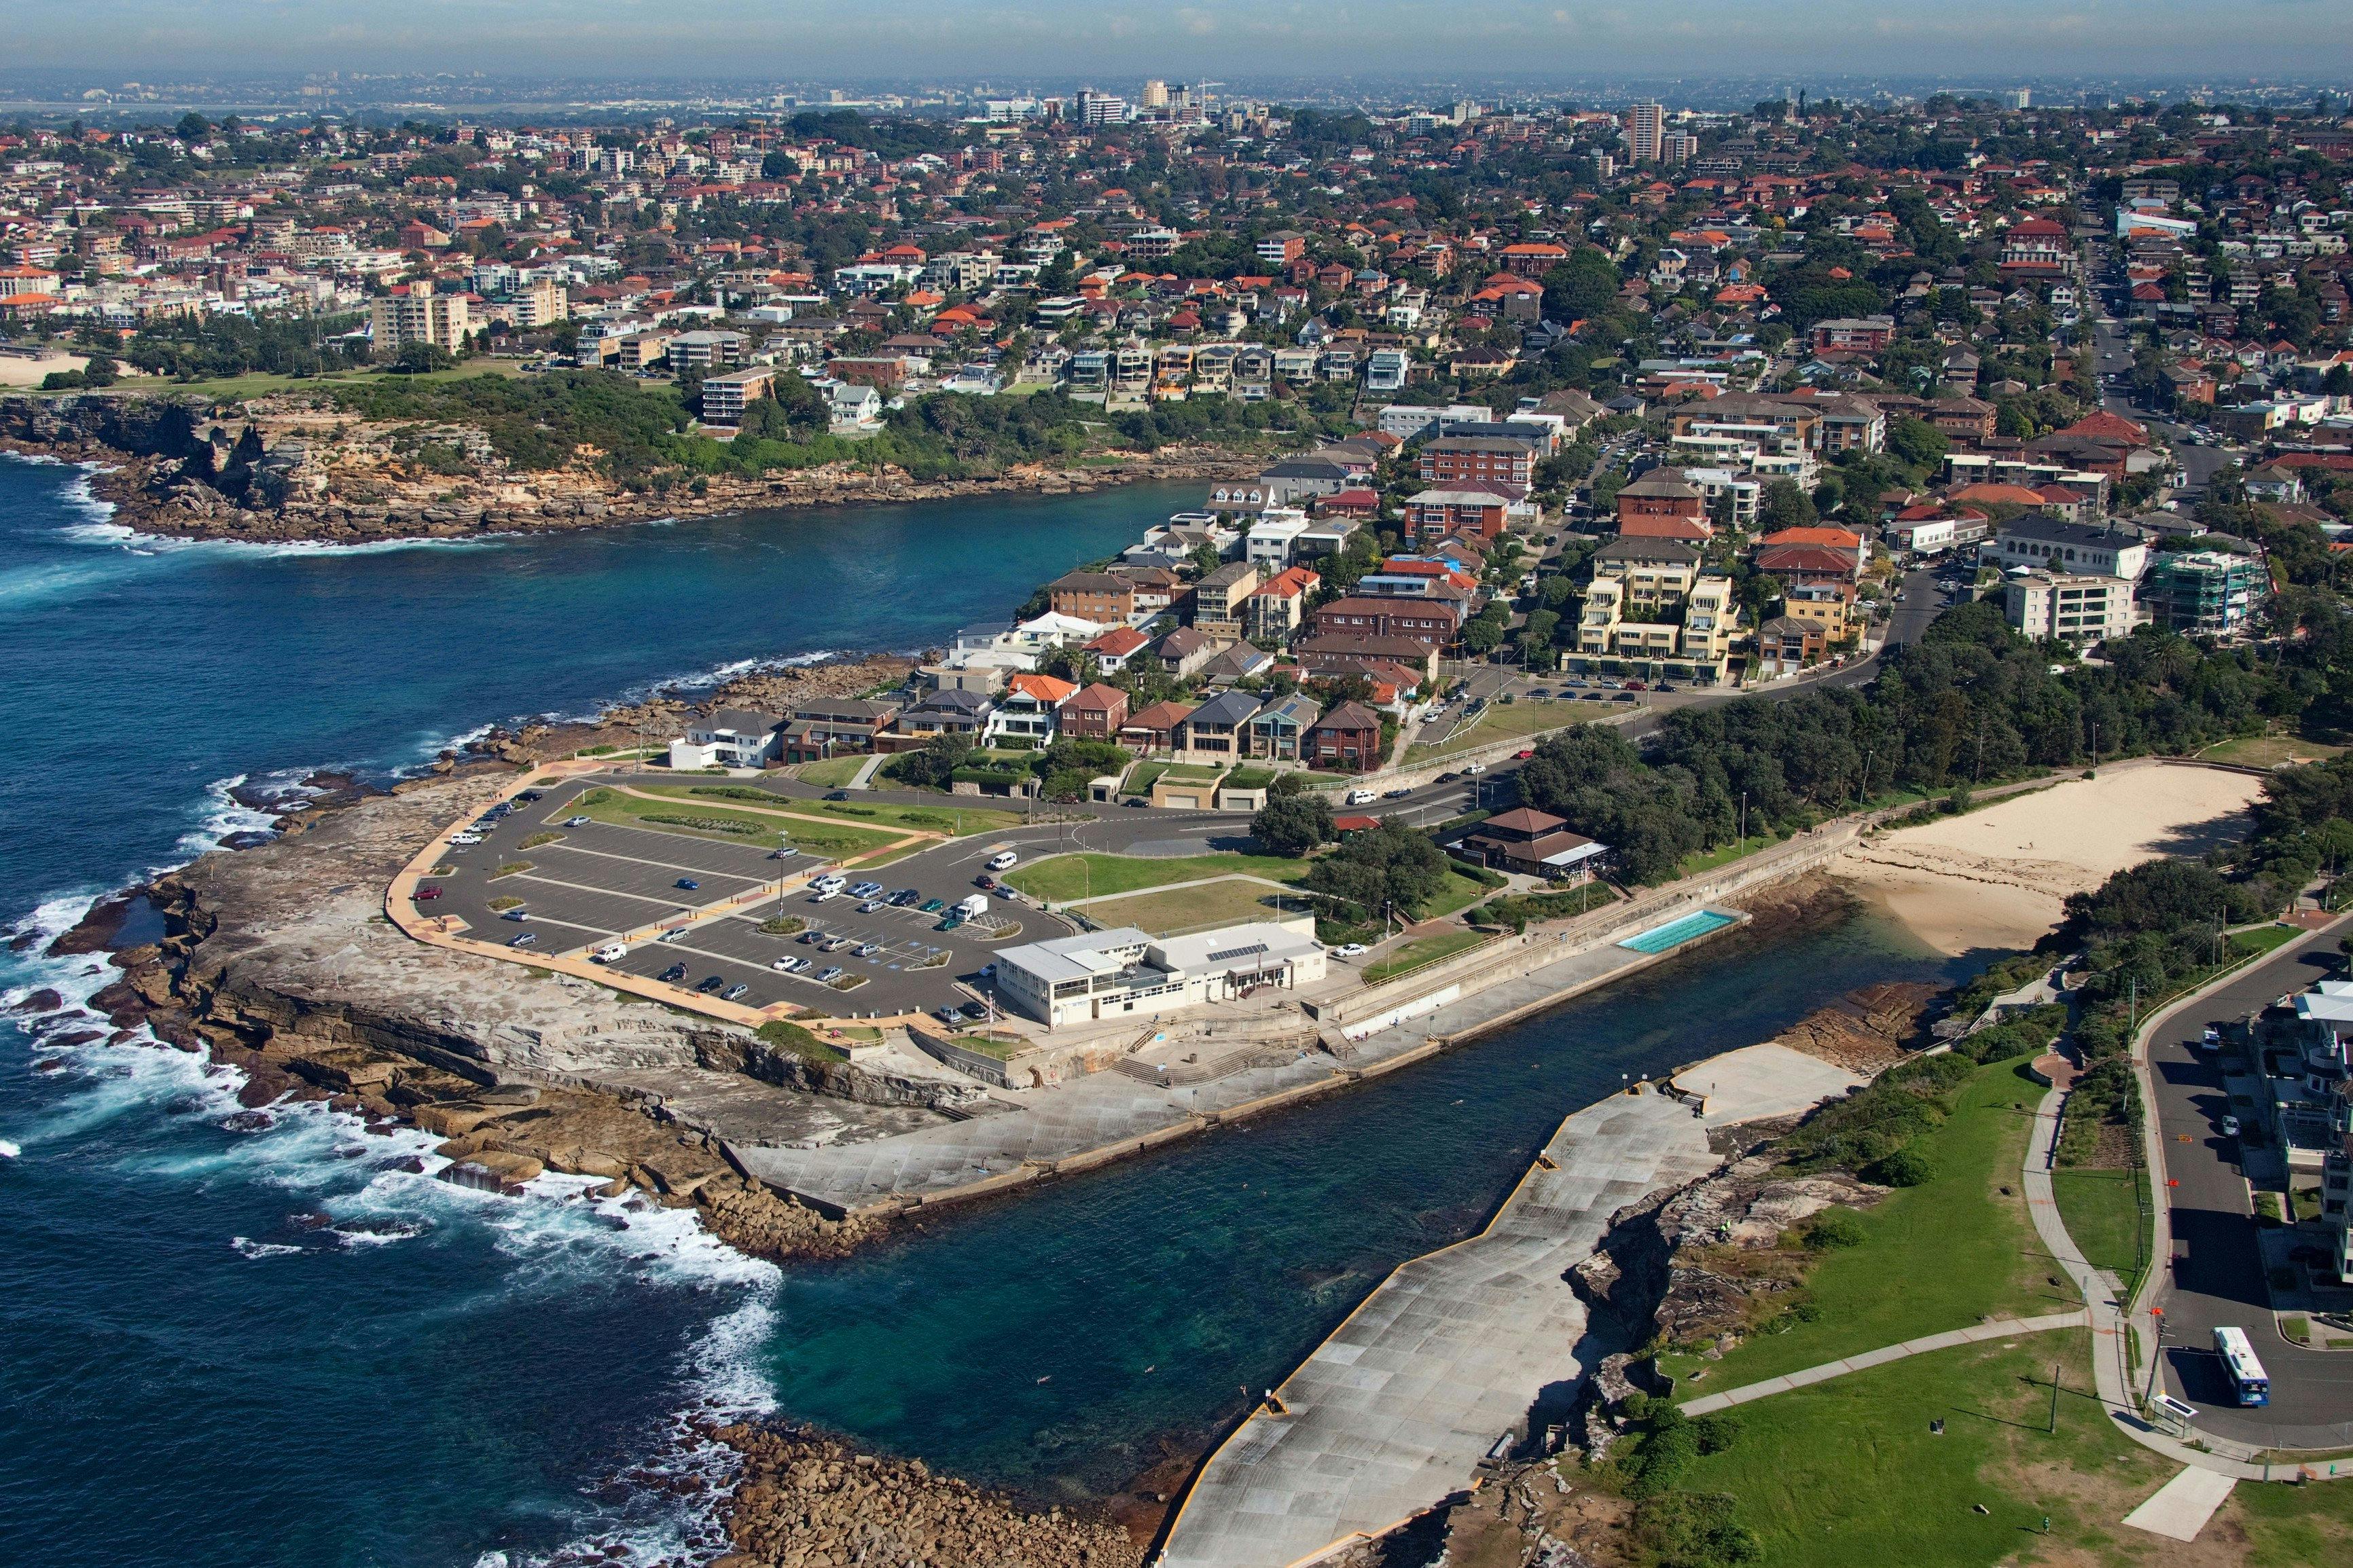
416,313
1217,598
2068,607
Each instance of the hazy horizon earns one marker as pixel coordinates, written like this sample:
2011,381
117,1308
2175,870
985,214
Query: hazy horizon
2205,40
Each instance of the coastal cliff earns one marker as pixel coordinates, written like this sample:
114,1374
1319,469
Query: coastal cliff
278,470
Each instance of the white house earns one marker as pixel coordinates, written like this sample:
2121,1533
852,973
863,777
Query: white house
732,737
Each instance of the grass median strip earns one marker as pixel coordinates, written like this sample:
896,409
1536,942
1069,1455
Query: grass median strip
955,821
1061,877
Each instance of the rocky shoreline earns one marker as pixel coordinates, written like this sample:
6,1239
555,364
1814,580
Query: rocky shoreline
266,472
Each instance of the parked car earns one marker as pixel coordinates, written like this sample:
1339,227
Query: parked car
525,940
712,982
1349,949
837,794
1360,797
1447,778
673,933
831,883
824,894
1524,753
903,896
984,882
833,944
1541,691
866,950
576,822
427,895
864,890
870,906
1625,697
1399,793
949,921
814,935
932,906
672,975
1635,686
787,965
1473,769
515,915
611,953
689,883
975,1012
828,977
735,991
787,853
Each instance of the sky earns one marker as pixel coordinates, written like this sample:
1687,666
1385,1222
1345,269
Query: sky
2309,40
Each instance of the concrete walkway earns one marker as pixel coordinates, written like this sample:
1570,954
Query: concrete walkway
1397,1409
2180,1507
1976,1333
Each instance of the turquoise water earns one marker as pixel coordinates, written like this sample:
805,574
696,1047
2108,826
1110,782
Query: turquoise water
221,1349
1674,934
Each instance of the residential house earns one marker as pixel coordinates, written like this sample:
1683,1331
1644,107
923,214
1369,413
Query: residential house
1155,729
1653,571
1221,727
1185,650
1278,731
1236,662
949,711
1786,645
731,737
2046,543
1095,713
1115,647
1346,740
831,726
1340,657
1031,708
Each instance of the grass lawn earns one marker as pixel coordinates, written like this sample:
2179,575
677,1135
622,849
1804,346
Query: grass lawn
1936,1256
262,384
2269,752
756,828
1846,1474
2291,1527
953,820
832,773
1192,909
1059,877
1420,951
1725,854
1143,776
1518,720
1458,892
2106,1212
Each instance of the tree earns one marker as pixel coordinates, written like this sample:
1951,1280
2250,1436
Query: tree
1918,442
101,371
1585,285
1388,868
935,763
415,359
1785,506
1294,824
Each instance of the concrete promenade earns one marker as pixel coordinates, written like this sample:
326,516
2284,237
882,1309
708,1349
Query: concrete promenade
1396,1409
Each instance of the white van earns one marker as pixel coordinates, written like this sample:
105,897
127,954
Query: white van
1360,797
1002,861
612,952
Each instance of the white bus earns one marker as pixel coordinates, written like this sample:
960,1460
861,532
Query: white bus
2246,1374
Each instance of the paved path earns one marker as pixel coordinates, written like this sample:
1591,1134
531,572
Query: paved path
1456,1348
1976,1333
2180,1507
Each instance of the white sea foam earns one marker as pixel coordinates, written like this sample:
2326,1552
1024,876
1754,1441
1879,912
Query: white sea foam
246,1248
9,1150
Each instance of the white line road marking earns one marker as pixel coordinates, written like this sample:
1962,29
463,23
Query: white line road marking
688,910
665,865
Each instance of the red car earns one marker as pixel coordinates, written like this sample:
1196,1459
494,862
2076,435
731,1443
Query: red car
424,893
1524,756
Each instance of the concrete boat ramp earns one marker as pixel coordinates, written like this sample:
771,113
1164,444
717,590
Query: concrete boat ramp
1397,1409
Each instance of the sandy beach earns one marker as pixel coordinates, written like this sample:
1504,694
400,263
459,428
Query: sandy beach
1998,878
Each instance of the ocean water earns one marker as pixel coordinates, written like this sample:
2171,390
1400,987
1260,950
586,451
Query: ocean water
229,1340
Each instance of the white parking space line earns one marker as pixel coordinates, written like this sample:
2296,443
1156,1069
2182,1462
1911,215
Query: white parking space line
605,892
538,919
663,864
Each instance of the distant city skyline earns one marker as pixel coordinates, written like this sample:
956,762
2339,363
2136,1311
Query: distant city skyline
2206,39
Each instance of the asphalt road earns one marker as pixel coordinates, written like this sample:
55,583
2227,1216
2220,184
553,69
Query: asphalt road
2218,1275
2113,349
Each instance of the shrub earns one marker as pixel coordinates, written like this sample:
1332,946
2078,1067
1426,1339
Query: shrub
1904,1168
1832,1229
1690,1530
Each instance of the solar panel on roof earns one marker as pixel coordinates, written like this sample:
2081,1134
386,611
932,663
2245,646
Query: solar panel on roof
1237,953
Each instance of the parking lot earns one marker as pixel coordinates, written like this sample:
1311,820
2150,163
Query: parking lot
598,883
